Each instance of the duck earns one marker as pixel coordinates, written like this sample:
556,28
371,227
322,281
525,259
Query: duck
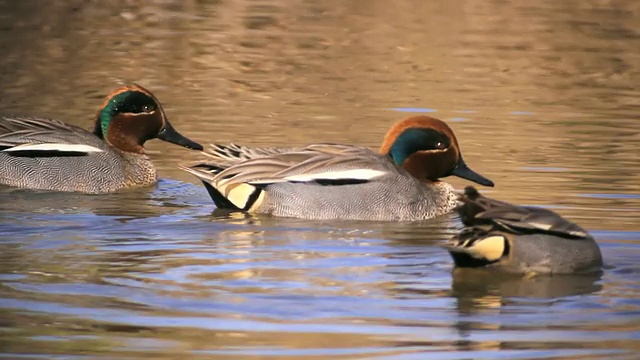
524,240
325,181
47,154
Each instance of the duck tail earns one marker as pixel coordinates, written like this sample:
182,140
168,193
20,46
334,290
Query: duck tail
235,197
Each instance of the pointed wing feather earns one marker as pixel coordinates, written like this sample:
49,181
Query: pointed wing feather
10,124
478,210
538,219
225,156
30,136
314,162
306,165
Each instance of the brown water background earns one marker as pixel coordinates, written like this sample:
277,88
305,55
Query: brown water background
543,97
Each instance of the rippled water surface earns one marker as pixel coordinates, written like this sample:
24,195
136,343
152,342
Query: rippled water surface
543,97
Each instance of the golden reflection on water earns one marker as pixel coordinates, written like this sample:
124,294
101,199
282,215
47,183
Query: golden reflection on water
543,98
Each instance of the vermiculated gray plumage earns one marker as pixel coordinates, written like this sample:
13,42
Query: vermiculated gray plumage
94,172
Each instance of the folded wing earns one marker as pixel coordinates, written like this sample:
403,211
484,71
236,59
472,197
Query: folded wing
38,137
478,210
237,175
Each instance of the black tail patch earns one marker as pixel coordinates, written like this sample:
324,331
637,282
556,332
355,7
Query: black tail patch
224,203
252,198
218,199
464,260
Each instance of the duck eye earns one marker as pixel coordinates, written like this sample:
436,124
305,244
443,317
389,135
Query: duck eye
440,145
148,108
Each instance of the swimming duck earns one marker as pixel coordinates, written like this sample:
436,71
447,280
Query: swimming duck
47,154
520,239
334,181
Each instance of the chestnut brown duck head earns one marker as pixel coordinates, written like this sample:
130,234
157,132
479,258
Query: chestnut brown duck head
427,148
130,116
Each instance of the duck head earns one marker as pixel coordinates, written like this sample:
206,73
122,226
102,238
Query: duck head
130,116
427,148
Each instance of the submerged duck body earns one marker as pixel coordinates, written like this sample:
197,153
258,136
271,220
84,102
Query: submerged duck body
335,181
520,239
47,154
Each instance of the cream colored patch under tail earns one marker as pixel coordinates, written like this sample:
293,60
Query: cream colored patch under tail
490,248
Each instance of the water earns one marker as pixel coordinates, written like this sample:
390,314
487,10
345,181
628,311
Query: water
543,98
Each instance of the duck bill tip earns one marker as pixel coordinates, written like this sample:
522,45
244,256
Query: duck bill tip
169,134
463,171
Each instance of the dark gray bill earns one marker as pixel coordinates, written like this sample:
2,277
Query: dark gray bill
463,171
169,134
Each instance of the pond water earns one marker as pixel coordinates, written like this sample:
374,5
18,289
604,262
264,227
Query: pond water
543,97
